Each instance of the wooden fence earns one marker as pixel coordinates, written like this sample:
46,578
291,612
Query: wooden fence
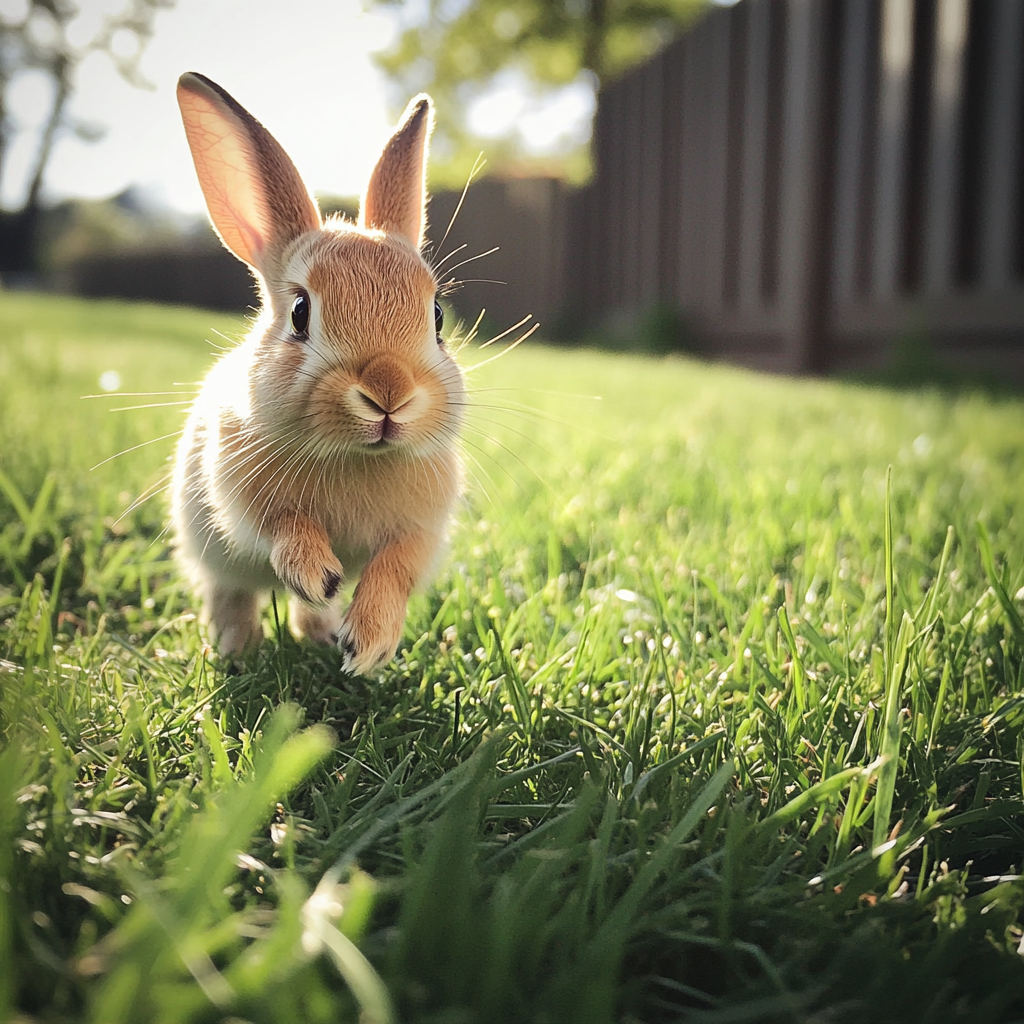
816,181
522,218
813,184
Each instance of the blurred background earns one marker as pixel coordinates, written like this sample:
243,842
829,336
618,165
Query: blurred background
810,186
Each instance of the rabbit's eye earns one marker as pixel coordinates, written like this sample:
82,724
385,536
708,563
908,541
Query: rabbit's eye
300,315
438,319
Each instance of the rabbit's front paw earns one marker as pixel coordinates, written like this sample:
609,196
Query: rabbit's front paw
368,641
311,572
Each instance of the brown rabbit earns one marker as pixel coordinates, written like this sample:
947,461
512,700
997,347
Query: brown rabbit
325,442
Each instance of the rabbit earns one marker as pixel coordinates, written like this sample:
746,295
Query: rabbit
325,443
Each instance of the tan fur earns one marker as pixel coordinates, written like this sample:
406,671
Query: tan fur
306,459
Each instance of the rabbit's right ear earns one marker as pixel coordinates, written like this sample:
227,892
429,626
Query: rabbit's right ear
257,201
396,196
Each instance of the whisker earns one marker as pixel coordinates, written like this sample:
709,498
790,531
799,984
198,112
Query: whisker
478,256
478,165
135,394
514,327
437,266
151,491
541,391
135,447
459,343
254,448
505,351
152,405
508,451
465,443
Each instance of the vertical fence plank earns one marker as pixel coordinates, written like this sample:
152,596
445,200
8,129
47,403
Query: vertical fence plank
574,265
586,255
779,21
896,51
1001,191
630,112
593,227
650,200
716,113
755,137
801,257
851,143
671,187
614,198
692,174
943,178
735,143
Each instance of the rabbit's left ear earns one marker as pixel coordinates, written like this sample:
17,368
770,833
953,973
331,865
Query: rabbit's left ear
257,201
395,199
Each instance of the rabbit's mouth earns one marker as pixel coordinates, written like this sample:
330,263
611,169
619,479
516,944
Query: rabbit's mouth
388,433
387,418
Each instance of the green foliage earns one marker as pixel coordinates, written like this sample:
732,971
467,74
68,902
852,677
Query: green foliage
456,51
707,716
80,229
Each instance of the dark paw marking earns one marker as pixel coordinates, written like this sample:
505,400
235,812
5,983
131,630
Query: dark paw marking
332,581
347,645
348,659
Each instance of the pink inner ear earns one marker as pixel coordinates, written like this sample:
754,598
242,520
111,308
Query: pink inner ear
226,170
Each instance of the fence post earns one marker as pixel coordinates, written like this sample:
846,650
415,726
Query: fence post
852,144
693,170
650,187
943,179
896,51
1001,191
716,117
670,130
808,99
754,144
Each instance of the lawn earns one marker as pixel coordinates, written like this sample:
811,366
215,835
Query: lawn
714,712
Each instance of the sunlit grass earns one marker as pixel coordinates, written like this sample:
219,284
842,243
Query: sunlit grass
681,731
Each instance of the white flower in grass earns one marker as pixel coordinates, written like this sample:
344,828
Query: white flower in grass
110,380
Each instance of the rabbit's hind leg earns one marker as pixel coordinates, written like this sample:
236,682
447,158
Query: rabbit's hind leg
319,624
233,616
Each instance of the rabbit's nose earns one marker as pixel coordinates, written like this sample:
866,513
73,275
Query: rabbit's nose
386,386
372,409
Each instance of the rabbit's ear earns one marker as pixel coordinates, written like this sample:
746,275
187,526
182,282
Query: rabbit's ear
257,201
396,196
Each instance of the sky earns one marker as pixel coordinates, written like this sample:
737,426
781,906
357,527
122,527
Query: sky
302,67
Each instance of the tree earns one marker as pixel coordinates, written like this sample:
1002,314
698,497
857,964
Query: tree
54,37
458,49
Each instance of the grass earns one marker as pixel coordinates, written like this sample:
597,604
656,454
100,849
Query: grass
707,717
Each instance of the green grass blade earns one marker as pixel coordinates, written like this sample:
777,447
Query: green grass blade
891,733
617,924
14,496
988,561
818,794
